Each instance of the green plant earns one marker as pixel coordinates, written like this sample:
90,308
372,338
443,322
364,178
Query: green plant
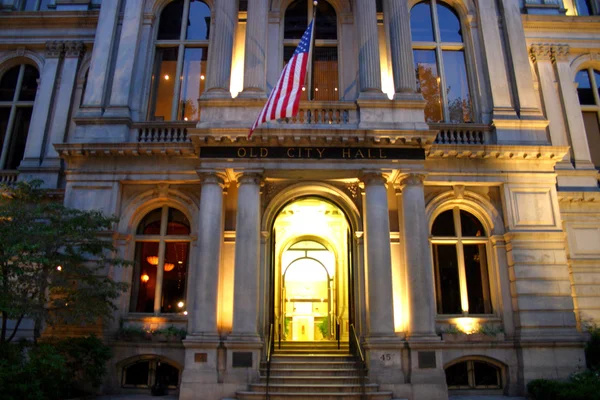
581,386
324,327
86,357
171,331
489,330
592,348
451,329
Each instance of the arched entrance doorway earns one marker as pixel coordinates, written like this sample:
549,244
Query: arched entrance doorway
312,271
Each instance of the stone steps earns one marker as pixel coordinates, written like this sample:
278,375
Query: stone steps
312,370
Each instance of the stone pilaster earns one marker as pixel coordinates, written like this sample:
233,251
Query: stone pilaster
368,50
574,118
219,62
380,312
41,108
541,55
397,19
247,257
127,53
64,99
93,99
419,271
255,65
203,316
513,24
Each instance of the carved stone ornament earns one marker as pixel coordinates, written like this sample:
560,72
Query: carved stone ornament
74,49
54,49
212,178
373,178
560,52
20,51
249,178
540,52
412,179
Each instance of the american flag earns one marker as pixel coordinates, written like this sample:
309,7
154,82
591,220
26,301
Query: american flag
285,97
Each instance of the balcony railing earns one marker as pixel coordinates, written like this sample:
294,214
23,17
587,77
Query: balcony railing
162,132
8,176
324,113
463,133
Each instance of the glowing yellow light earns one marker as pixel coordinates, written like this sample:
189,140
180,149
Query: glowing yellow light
152,260
185,118
145,278
335,89
166,77
180,304
59,268
316,89
303,89
201,77
466,325
185,313
169,267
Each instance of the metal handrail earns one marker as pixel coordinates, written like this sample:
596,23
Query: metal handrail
360,360
270,348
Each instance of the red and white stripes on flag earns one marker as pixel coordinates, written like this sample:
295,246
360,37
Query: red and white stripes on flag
285,97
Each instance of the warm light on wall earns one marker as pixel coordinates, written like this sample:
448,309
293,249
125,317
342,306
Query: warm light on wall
169,267
237,63
152,260
467,325
145,278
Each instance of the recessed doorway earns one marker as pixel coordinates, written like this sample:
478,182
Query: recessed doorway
311,258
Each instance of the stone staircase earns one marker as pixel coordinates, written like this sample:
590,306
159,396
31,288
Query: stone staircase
313,370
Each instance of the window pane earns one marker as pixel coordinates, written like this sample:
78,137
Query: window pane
457,87
178,223
8,84
325,74
170,21
18,138
174,278
421,27
296,20
150,225
164,82
457,375
199,21
470,225
449,24
584,88
137,374
592,130
584,7
144,277
447,284
326,27
428,83
192,83
29,85
478,289
4,116
167,375
485,374
444,225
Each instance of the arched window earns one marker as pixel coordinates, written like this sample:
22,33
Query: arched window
161,261
148,372
322,77
180,61
461,271
473,374
588,88
18,87
439,53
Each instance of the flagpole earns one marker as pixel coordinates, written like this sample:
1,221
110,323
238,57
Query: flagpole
310,51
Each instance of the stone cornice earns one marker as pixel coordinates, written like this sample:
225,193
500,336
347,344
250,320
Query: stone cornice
46,19
71,150
557,23
551,154
579,197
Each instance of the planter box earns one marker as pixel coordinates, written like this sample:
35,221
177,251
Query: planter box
475,337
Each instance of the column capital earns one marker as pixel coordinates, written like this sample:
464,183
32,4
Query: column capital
249,177
411,179
54,49
213,177
374,178
74,49
540,52
561,52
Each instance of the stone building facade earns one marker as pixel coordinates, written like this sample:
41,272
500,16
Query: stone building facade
437,194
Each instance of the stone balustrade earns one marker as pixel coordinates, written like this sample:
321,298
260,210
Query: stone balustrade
463,134
324,113
8,177
161,132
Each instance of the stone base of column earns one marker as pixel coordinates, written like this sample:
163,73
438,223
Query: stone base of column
252,93
117,112
402,115
243,361
582,178
422,337
48,174
427,374
521,131
89,112
216,94
101,130
387,362
373,95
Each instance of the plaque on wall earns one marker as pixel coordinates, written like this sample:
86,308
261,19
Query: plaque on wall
427,359
241,359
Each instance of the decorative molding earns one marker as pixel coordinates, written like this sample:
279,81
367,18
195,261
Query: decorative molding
54,49
561,52
412,179
540,52
521,153
74,49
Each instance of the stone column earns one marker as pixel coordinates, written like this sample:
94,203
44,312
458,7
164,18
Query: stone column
541,56
41,107
380,314
568,90
368,49
64,100
203,319
419,271
520,61
494,54
99,69
255,72
127,53
397,19
221,48
247,256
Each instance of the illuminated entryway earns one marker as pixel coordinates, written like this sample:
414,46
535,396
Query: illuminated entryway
311,265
